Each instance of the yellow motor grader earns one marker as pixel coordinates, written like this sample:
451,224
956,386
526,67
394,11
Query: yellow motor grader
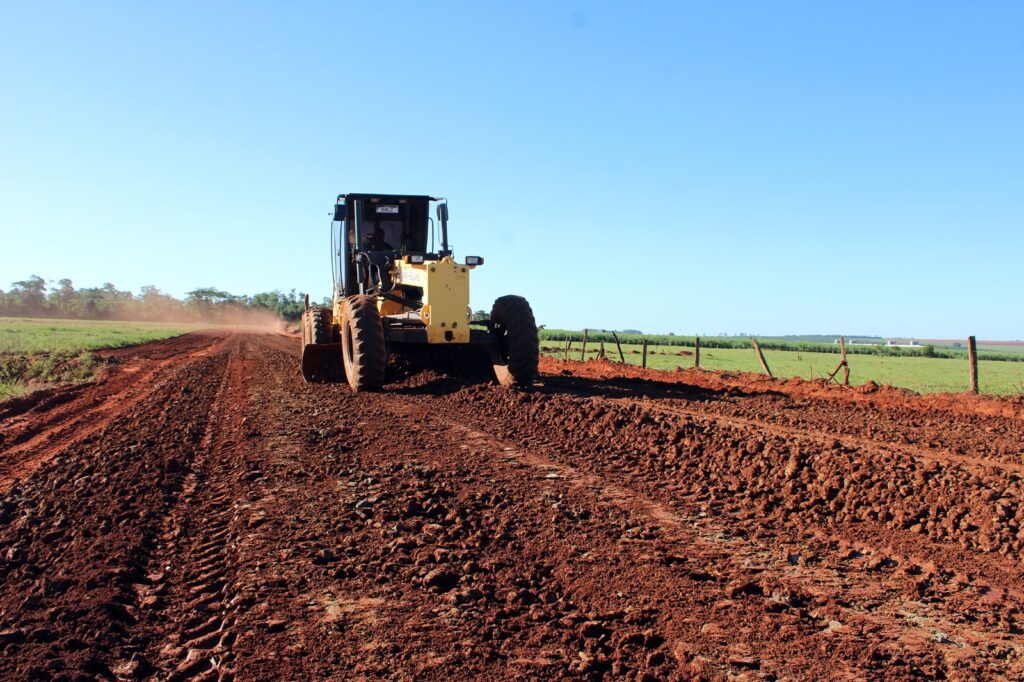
394,288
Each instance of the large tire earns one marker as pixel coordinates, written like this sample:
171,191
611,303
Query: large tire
515,351
362,344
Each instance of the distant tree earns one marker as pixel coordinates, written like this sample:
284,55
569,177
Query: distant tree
287,306
113,294
929,351
102,302
63,299
268,300
28,297
209,295
153,304
292,305
205,301
481,315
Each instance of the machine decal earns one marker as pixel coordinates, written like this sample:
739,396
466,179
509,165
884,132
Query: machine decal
411,276
387,209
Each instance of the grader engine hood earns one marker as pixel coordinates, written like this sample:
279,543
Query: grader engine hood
445,286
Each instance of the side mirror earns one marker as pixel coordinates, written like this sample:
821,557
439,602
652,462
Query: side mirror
339,213
442,212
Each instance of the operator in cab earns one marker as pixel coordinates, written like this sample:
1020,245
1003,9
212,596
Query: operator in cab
375,241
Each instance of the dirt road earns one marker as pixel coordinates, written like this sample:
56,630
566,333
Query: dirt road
200,513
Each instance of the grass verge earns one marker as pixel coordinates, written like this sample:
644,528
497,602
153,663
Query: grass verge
35,353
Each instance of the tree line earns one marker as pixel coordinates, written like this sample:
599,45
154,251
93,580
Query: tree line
37,297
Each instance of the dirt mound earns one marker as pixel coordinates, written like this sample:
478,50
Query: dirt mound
869,393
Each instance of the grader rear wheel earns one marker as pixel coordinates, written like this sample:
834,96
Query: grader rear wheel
515,351
362,344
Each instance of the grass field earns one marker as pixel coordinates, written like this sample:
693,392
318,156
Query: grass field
35,352
925,375
1001,349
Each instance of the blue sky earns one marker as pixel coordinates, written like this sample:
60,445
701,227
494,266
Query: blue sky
771,168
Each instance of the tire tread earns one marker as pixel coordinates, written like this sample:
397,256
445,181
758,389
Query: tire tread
516,316
369,358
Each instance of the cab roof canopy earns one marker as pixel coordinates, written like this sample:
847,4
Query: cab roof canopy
387,197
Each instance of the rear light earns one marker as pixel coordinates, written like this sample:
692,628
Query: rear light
474,260
418,260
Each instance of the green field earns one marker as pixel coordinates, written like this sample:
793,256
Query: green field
922,374
36,352
1000,349
808,343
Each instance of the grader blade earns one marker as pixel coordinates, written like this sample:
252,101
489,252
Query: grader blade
321,362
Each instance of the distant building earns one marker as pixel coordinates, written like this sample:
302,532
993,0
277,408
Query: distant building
913,343
890,343
855,342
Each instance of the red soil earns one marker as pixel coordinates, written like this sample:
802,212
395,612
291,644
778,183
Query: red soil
199,512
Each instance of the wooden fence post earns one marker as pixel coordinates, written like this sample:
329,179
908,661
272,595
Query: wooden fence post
645,354
760,356
568,346
843,365
618,345
846,365
600,356
696,352
972,355
583,351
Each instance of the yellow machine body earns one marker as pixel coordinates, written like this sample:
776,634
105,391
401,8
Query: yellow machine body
445,311
445,285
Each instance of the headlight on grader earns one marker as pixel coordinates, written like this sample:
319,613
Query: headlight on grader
474,260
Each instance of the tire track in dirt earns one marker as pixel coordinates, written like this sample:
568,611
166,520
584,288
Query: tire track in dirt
194,569
79,531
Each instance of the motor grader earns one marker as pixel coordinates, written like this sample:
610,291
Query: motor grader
397,285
